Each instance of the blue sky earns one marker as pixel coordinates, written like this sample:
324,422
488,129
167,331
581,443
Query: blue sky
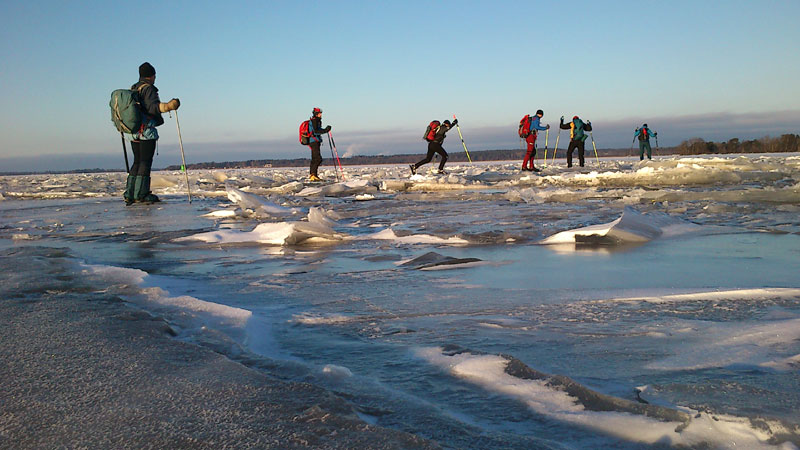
248,73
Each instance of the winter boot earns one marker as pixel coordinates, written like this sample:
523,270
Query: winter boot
129,186
142,192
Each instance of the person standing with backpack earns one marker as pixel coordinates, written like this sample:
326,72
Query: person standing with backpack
644,134
315,132
577,136
143,140
528,130
435,134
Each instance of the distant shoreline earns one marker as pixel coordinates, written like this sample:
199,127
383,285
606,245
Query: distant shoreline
787,143
406,158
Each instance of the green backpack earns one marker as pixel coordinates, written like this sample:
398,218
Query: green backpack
125,110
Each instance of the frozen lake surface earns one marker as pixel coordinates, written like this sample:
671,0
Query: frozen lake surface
626,305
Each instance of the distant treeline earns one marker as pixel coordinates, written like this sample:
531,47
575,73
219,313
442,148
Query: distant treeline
786,143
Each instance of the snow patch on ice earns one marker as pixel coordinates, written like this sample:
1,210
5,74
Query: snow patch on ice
389,235
314,319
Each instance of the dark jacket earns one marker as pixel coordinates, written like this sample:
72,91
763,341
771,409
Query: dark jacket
440,133
315,127
148,99
576,129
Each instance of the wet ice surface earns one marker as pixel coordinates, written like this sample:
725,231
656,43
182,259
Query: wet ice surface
677,278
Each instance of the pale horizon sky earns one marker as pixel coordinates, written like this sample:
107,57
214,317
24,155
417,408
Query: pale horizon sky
248,73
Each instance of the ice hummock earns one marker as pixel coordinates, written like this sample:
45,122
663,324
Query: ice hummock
632,227
433,261
563,399
316,229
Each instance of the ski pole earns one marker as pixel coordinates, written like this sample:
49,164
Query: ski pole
462,139
334,157
183,158
124,152
333,144
634,140
656,136
555,150
546,135
595,148
341,169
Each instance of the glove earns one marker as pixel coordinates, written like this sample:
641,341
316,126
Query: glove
655,134
548,127
327,129
171,105
455,122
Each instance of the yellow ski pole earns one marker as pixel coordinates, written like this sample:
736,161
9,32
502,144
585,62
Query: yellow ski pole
546,135
555,150
462,139
595,149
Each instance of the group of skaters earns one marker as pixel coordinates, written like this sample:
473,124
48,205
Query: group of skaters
529,128
144,140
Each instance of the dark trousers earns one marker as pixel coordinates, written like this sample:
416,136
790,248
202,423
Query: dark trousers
316,157
572,146
530,155
642,146
143,152
433,148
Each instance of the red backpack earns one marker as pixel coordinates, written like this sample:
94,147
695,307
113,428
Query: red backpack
525,126
305,134
430,132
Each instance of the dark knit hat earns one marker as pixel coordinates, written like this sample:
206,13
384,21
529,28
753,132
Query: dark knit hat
539,111
146,70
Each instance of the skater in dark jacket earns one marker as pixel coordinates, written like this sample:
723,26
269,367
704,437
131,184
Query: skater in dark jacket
315,141
143,141
577,137
435,145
